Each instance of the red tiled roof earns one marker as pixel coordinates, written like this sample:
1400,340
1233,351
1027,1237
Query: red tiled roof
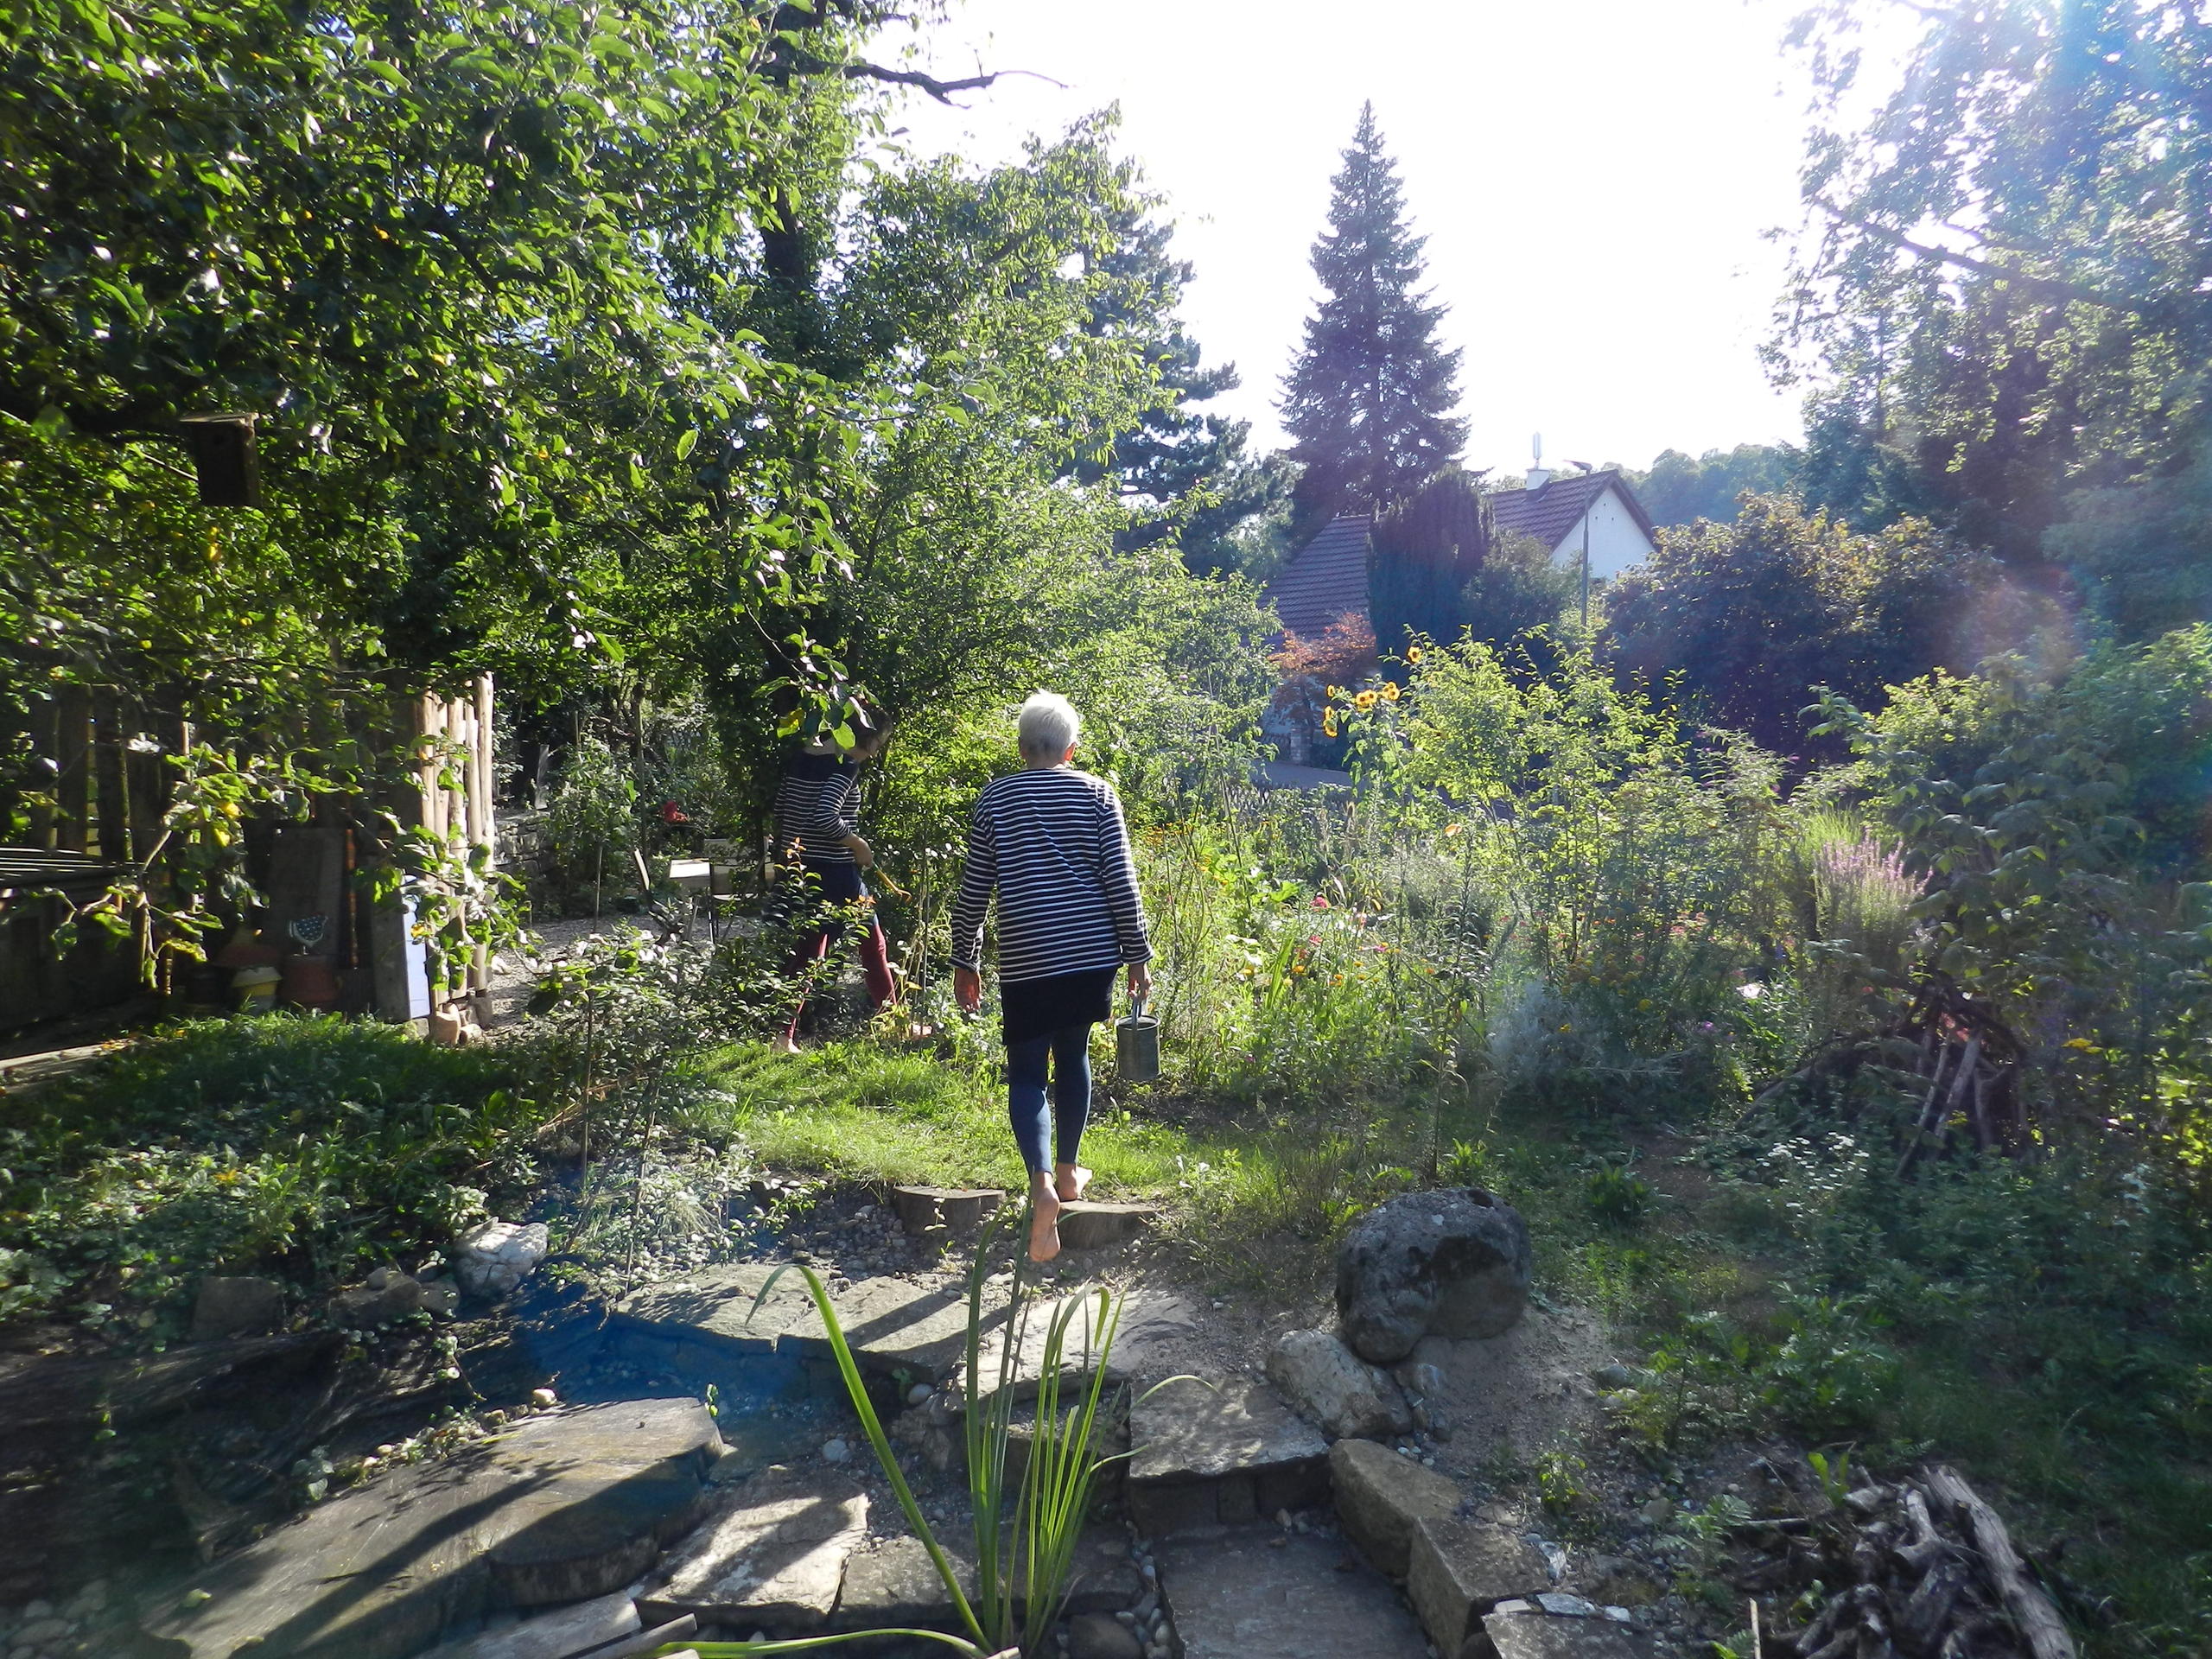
1548,512
1325,578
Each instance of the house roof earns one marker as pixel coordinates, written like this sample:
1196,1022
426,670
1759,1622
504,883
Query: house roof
1550,510
1325,578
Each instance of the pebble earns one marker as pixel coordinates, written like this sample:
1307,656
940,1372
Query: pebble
836,1451
39,1632
544,1399
920,1394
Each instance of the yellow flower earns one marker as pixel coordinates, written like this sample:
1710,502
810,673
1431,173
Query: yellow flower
1390,690
2080,1043
1328,723
1412,653
1363,702
1336,691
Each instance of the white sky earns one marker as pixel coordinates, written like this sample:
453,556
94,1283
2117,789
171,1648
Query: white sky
1594,177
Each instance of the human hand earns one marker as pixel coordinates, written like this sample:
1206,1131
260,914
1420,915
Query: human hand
1141,980
967,988
863,855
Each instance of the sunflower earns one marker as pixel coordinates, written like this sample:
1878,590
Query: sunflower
1328,723
1389,691
1412,653
1363,702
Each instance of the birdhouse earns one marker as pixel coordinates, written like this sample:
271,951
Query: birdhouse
223,458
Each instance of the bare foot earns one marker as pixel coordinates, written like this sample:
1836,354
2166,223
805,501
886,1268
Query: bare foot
784,1046
1043,1226
1069,1182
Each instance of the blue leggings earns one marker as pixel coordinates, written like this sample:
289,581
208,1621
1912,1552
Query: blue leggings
1069,1049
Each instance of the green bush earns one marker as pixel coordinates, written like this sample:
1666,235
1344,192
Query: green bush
313,1147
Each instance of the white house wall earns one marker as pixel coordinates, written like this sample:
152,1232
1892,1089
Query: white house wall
1616,540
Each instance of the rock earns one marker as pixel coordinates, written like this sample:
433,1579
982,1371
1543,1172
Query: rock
387,1296
40,1631
563,1507
1530,1634
1330,1385
1095,1636
1455,1261
1461,1569
544,1399
1654,1512
1225,1453
236,1307
1245,1595
1382,1497
499,1256
1614,1376
551,1636
774,1557
836,1451
920,1394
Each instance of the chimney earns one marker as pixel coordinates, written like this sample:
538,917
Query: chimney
1539,474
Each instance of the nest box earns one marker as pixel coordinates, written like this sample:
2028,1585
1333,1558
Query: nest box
223,458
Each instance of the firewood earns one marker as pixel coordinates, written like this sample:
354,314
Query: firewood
2032,1612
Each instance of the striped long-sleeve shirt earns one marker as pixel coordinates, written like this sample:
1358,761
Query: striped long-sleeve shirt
1051,844
814,805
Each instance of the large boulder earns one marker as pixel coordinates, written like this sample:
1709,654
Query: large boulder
493,1259
1454,1261
1330,1385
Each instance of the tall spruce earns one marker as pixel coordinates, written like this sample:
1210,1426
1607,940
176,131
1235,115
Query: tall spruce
1369,402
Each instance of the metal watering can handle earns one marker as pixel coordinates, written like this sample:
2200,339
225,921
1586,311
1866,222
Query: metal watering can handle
1136,1005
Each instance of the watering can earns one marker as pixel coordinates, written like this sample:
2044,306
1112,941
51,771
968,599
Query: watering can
1136,1044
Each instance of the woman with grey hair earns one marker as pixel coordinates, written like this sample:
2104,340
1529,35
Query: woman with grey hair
1051,843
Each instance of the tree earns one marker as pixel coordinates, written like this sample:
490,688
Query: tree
1308,668
1369,401
2006,272
1182,473
1678,490
1748,620
1422,553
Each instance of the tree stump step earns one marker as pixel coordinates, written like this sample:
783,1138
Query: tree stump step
1088,1226
961,1208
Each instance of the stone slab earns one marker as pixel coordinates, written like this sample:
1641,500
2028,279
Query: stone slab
961,1208
717,1304
556,1635
1461,1569
896,1584
1219,1453
1241,1595
1382,1497
561,1506
773,1557
1540,1636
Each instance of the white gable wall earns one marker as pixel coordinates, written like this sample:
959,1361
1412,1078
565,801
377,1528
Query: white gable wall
1616,540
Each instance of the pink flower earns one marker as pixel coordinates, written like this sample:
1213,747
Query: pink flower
1320,901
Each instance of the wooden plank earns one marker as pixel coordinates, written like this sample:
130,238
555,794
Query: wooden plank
111,790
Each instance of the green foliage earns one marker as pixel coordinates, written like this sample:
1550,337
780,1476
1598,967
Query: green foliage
1618,1194
2143,550
1678,490
591,820
1368,399
314,1147
1519,596
1744,618
2005,278
1422,553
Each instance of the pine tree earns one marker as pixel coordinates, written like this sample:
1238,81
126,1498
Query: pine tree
1369,402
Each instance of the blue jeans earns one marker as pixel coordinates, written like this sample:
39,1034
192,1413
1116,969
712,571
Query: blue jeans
1069,1051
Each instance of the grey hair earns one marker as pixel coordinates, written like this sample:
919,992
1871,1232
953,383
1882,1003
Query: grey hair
1048,727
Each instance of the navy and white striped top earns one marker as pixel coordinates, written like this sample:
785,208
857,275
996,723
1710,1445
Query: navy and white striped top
1051,843
814,805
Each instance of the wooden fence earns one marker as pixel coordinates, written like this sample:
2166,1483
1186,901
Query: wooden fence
98,787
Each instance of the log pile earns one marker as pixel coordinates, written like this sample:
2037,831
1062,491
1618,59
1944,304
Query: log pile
1947,1055
1933,1575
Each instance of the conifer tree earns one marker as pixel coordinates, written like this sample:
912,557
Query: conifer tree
1369,402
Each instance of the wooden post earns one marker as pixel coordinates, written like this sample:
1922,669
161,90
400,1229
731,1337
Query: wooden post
148,793
72,777
42,748
110,788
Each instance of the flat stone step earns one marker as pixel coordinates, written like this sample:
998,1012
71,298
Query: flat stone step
773,1557
897,1329
1258,1593
559,1508
1220,1454
1085,1225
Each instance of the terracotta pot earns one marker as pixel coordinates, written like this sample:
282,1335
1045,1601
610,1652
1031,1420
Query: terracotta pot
310,982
